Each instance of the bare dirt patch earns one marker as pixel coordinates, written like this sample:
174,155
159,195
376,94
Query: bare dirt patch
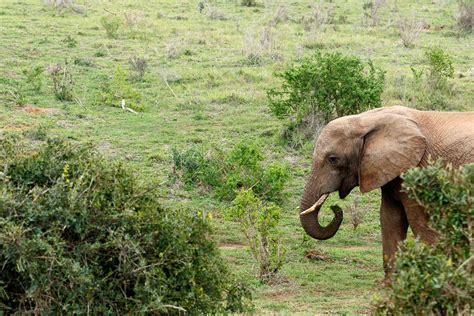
37,110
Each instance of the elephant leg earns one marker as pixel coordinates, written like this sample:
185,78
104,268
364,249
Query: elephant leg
394,227
418,220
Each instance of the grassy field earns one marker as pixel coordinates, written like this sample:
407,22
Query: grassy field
206,84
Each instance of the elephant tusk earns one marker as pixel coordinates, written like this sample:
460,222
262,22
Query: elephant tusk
316,205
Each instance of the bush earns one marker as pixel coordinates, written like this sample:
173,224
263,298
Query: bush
436,279
409,30
430,83
63,81
227,172
259,223
323,87
111,24
139,66
440,68
33,77
79,235
17,93
118,92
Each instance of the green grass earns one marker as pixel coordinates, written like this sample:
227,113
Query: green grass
201,88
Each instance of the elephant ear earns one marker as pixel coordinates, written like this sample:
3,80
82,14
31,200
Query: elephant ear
392,145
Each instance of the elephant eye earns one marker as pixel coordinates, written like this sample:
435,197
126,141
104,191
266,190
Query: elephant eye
333,159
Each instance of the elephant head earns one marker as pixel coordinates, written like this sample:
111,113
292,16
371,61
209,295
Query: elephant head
366,150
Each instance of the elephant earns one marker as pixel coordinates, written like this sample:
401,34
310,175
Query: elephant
371,150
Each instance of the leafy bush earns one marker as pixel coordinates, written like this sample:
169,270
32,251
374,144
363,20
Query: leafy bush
196,167
33,77
430,83
119,92
323,87
63,81
436,279
259,223
79,235
227,172
111,24
440,67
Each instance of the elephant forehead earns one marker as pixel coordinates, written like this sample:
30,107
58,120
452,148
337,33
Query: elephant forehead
339,130
337,136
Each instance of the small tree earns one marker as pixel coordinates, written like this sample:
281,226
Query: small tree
323,87
437,279
259,223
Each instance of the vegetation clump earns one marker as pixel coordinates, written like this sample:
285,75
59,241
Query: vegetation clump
139,66
323,87
227,172
118,92
409,29
63,81
431,83
437,279
80,235
111,25
259,222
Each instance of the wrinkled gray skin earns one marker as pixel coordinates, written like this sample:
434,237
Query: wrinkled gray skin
371,150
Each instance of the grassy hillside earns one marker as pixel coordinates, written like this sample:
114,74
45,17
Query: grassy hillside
208,71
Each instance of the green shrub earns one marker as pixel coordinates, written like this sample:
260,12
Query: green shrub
436,279
33,77
430,83
118,92
440,67
80,235
16,93
323,87
227,172
196,167
259,223
111,24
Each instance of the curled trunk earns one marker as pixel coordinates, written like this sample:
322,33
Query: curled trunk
310,221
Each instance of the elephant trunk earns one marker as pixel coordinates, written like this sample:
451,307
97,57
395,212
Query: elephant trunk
309,217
